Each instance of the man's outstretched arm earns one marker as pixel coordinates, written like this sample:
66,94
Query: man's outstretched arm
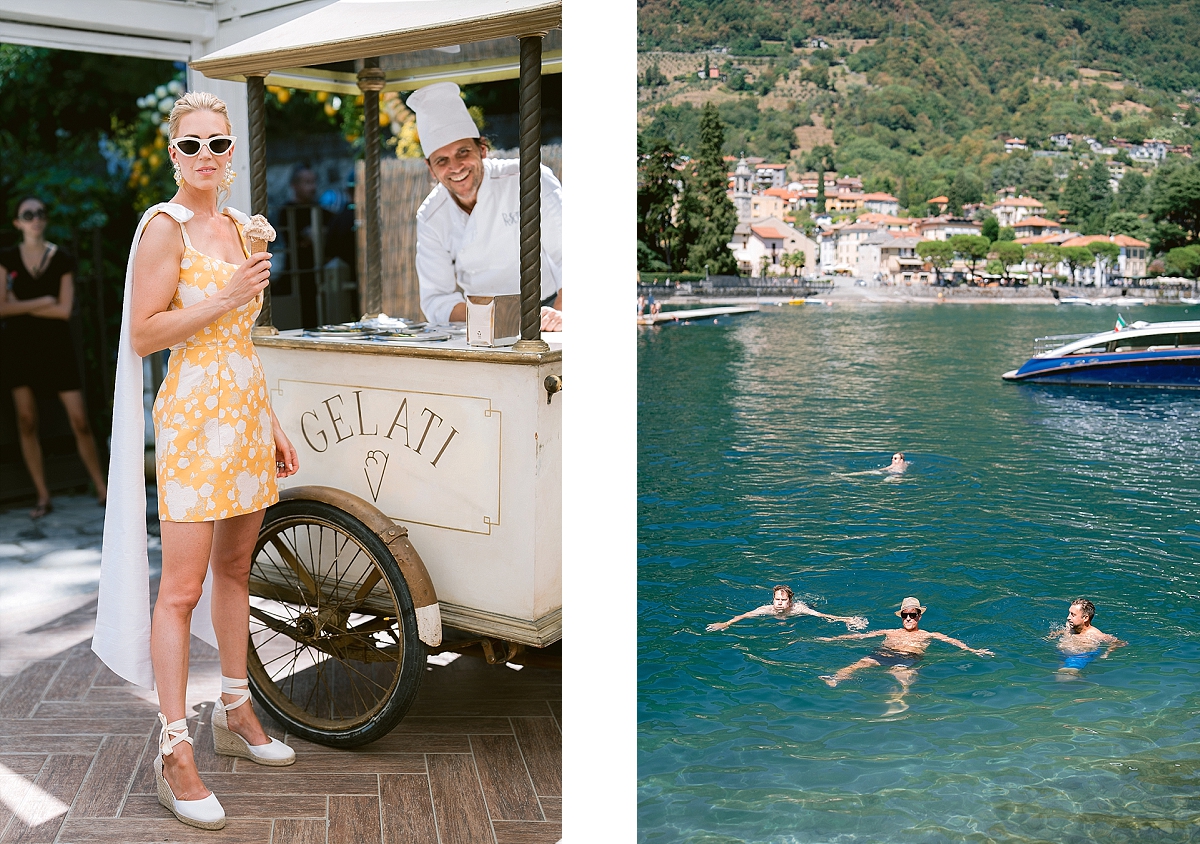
1112,643
952,641
851,636
721,625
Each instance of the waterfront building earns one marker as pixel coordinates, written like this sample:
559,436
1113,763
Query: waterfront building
881,203
888,222
773,238
943,227
1012,209
1032,227
1131,261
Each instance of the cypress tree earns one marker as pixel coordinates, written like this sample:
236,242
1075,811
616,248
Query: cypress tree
716,219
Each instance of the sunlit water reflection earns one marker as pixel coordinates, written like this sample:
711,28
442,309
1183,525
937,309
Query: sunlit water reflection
1019,498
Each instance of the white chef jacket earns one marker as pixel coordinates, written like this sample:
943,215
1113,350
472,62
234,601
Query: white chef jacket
479,254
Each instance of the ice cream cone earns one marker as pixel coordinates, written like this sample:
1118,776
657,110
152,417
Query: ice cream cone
257,245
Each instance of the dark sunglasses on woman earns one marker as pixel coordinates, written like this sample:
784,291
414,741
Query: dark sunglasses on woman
190,147
30,216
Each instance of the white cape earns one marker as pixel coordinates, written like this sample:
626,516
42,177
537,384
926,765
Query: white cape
122,638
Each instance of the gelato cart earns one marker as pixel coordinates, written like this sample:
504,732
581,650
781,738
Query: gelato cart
429,489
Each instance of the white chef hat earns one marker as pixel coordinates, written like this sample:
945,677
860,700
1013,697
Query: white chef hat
442,116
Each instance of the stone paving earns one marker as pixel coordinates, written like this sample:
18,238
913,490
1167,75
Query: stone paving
477,759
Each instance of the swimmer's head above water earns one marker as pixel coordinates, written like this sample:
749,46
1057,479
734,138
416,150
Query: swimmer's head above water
1080,614
781,598
899,464
910,613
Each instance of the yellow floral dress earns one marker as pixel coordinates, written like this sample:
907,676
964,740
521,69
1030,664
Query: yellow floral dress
214,451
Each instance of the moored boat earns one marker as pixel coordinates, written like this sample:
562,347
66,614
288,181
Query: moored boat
1144,354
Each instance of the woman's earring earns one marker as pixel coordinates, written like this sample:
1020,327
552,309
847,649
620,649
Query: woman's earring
178,174
229,175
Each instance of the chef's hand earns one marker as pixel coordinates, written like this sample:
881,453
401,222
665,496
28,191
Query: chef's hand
551,320
287,463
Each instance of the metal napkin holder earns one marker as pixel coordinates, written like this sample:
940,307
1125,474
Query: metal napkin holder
493,320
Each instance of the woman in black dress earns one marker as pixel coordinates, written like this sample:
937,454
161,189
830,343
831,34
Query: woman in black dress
36,353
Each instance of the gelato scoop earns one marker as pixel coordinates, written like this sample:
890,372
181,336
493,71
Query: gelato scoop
259,233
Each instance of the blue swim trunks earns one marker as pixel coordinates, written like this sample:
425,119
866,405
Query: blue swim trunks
1080,660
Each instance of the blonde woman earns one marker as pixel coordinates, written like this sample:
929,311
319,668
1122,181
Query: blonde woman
192,287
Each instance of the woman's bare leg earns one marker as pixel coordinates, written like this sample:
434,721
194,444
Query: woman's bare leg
84,441
185,552
31,448
233,543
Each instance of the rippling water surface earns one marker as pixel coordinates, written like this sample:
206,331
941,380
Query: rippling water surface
1019,498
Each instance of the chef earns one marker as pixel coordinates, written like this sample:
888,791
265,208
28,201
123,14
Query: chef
468,228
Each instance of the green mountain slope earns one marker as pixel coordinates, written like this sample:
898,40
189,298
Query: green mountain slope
929,91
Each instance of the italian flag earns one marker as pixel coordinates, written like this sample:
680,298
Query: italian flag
1120,323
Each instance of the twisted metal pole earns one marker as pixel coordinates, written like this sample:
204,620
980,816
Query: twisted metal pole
256,106
370,81
530,111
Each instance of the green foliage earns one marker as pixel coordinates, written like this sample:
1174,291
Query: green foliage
1007,233
1008,254
656,201
768,133
1043,255
1184,260
970,248
654,77
1176,200
990,228
938,253
712,218
1128,223
1131,193
965,189
946,81
1076,257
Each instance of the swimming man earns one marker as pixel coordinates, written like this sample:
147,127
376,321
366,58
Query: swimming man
784,605
901,649
898,466
1079,641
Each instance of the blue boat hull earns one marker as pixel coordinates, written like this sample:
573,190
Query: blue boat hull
1165,368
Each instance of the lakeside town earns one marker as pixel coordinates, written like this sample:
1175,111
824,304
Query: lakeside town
861,235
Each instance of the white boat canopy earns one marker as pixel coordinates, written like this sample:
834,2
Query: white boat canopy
419,42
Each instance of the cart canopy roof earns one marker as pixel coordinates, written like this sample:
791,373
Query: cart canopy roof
418,41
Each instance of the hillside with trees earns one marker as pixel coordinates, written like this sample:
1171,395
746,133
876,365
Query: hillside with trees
920,98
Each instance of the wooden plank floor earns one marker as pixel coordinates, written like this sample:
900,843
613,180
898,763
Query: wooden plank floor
477,759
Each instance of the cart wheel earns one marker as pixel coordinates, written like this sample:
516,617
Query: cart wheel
334,650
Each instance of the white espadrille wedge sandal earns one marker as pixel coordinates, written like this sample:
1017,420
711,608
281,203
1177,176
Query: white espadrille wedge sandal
204,814
229,743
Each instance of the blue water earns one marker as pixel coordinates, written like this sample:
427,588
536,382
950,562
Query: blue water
1019,498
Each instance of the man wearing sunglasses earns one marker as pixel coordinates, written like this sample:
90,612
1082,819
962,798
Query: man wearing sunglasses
784,605
900,650
468,228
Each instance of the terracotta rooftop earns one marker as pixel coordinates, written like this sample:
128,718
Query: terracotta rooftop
767,232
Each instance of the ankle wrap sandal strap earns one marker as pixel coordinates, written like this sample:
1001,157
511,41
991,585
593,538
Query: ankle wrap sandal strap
233,686
172,734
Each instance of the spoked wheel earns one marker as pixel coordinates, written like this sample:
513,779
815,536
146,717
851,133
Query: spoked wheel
334,651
